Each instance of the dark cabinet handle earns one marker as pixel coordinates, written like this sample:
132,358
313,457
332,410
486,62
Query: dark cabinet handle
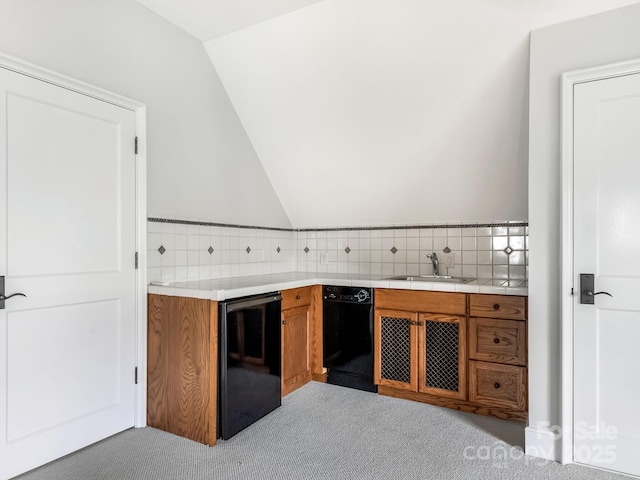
284,322
297,297
420,324
412,322
496,306
496,340
496,385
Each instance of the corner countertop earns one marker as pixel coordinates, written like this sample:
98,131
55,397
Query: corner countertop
227,288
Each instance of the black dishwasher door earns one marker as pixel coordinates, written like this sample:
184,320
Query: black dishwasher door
348,337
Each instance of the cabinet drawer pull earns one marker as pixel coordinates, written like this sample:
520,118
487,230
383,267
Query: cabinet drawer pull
496,340
496,385
496,306
284,322
420,324
297,297
412,322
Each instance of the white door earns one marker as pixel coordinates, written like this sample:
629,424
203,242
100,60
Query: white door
607,244
67,241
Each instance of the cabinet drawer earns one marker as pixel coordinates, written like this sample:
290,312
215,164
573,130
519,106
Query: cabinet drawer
498,385
500,341
295,297
421,301
498,306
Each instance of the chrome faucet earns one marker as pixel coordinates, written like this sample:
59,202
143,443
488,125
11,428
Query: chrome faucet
434,259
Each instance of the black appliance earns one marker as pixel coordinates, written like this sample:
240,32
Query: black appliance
249,361
348,336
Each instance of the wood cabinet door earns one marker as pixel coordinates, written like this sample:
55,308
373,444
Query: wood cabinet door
296,354
442,345
396,347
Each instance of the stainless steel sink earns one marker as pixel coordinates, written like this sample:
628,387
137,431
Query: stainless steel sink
431,278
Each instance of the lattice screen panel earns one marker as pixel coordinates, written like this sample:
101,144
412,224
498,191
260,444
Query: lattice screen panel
441,355
396,349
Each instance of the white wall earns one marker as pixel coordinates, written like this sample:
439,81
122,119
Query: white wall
598,40
370,112
201,164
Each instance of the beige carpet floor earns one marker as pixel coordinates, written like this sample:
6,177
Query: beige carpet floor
326,432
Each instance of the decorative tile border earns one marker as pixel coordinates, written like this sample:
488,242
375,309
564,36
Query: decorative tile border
214,224
341,229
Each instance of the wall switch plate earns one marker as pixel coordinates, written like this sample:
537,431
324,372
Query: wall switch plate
324,258
447,260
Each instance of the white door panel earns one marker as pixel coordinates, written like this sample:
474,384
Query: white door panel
79,346
50,182
67,240
606,244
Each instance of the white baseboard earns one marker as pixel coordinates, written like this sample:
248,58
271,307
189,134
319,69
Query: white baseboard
543,443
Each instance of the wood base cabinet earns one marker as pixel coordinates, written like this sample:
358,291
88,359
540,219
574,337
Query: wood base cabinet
498,351
298,315
462,351
417,351
296,359
182,363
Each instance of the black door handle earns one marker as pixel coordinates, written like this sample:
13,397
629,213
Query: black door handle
587,286
3,298
7,297
591,294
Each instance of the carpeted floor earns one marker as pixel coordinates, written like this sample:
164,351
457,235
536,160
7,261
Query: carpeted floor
326,432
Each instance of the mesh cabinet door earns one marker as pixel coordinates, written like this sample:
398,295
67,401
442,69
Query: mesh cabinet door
443,362
396,349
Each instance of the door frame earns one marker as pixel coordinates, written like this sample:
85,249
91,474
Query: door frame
140,112
569,80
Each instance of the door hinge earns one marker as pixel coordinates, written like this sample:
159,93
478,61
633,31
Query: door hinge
136,146
136,260
136,375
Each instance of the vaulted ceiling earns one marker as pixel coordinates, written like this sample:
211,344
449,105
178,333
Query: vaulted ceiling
208,19
367,112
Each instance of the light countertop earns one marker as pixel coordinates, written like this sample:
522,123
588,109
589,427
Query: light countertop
234,287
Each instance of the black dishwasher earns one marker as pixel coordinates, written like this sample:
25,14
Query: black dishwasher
249,361
348,336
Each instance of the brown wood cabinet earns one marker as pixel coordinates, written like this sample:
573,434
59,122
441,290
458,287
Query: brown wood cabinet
297,332
182,363
462,351
497,349
182,358
417,351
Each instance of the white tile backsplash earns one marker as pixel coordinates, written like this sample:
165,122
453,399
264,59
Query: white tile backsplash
477,251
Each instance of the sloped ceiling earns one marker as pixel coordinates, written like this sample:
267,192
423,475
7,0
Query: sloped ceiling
207,19
379,112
